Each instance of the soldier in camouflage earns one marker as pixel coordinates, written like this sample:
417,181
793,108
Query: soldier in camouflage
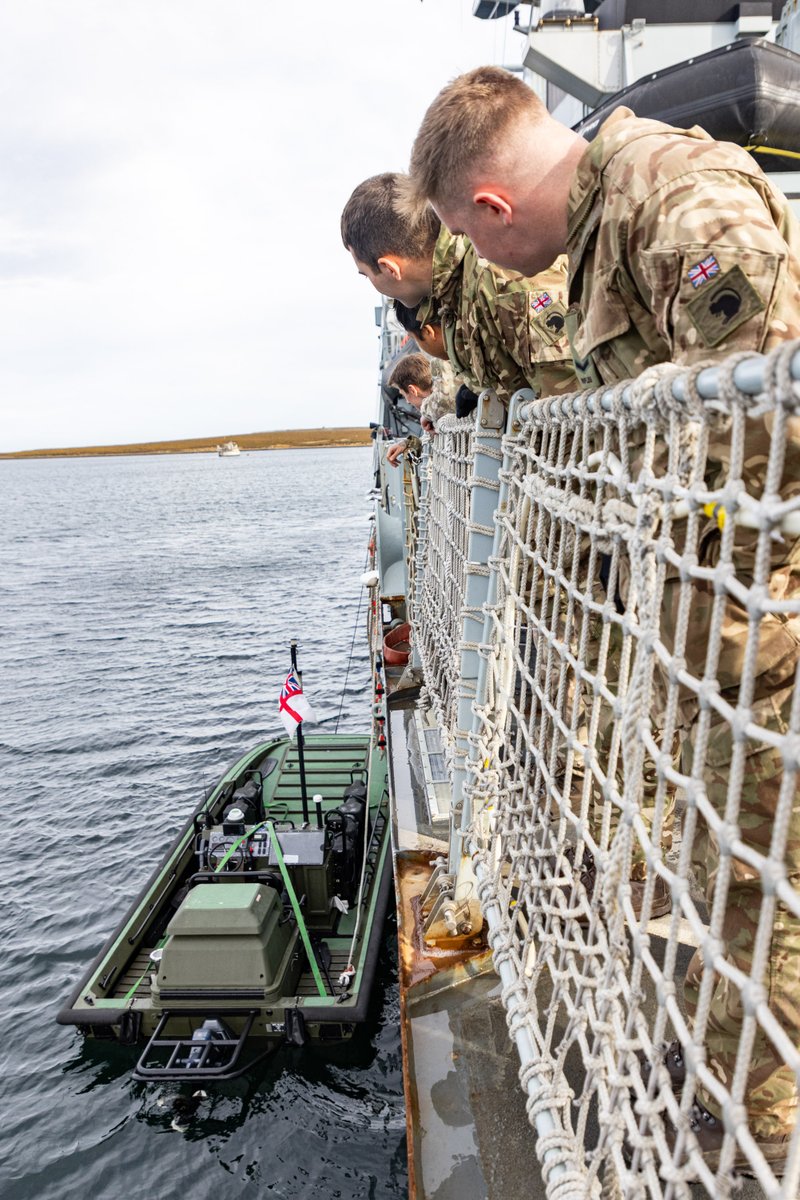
427,384
441,398
689,265
500,331
679,249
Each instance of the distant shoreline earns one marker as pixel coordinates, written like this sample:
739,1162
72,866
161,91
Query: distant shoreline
282,439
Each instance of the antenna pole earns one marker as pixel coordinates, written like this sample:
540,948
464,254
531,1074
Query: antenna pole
300,749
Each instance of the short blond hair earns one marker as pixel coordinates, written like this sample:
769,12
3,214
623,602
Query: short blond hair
413,369
463,127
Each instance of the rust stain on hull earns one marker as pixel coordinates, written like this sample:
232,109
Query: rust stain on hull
420,961
421,964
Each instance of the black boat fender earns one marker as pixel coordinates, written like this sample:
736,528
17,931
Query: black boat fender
294,1027
130,1027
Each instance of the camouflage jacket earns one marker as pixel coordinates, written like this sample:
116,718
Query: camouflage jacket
501,330
681,249
442,399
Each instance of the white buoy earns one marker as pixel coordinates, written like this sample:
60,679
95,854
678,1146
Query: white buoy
370,579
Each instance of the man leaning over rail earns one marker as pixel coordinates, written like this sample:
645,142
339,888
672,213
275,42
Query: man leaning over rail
449,394
500,331
438,398
680,249
413,376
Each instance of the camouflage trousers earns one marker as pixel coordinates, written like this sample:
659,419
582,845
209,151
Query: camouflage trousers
770,1093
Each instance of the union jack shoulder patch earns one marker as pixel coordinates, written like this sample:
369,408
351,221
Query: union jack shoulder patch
541,302
703,271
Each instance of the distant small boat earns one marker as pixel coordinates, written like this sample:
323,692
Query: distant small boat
228,450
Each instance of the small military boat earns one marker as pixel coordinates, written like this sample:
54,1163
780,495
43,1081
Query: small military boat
228,450
263,922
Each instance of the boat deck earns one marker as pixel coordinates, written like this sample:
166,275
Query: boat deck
306,985
136,972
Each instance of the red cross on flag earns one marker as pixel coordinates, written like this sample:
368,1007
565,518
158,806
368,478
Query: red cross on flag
293,706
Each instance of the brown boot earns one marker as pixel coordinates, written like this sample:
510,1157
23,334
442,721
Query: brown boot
709,1132
662,900
673,1061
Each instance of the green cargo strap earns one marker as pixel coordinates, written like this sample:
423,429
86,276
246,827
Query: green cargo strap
301,925
235,846
129,994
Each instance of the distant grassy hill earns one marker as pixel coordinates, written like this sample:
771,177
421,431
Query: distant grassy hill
281,439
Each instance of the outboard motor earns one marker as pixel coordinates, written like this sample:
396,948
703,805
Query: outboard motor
345,830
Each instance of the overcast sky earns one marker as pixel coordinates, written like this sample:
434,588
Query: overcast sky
173,172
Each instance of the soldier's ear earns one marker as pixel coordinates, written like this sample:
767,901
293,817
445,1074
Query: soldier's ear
390,266
496,204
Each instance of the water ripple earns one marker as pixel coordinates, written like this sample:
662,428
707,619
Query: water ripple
148,604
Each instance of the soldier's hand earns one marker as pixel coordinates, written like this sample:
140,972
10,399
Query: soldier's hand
427,425
395,452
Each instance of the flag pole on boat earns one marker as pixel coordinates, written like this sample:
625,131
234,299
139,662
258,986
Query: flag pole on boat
300,748
293,709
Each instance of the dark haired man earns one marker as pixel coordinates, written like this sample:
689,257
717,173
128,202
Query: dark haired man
500,330
430,339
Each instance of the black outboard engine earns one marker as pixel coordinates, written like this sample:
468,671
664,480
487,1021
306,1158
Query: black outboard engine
345,830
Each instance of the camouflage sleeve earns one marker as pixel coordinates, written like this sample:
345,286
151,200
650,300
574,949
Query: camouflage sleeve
721,273
442,399
433,407
525,340
709,257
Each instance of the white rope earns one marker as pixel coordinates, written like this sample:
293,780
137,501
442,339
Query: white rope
642,657
443,570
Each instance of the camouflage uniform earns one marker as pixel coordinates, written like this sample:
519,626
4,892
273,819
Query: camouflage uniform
501,330
442,399
681,249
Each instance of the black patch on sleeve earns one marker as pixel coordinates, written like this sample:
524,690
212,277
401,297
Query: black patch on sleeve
722,305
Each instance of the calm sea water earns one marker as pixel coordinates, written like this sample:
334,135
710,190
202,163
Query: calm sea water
147,605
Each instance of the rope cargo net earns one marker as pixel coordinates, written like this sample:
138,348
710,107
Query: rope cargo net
411,499
633,770
441,567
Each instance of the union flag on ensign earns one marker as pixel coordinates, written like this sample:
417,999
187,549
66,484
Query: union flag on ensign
293,706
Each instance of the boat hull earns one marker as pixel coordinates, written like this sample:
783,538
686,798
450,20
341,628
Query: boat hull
126,993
